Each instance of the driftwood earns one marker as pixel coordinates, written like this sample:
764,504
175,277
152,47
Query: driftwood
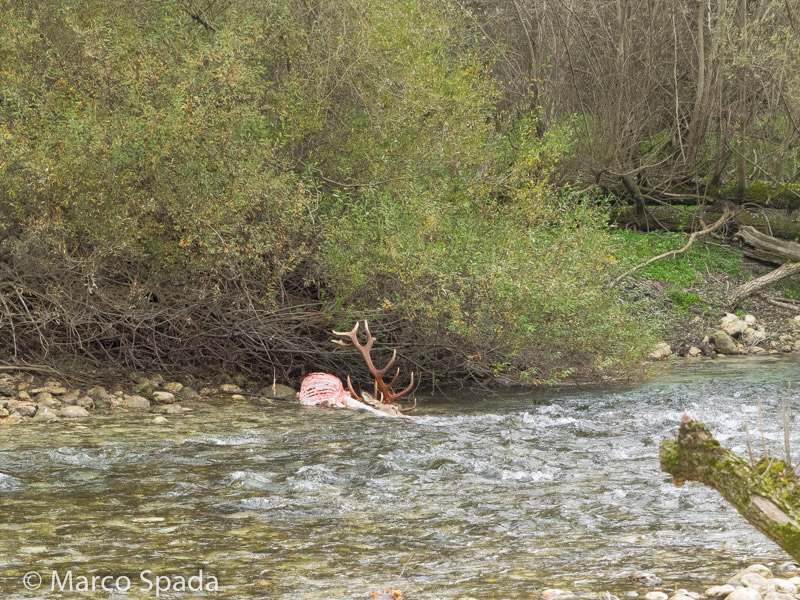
767,494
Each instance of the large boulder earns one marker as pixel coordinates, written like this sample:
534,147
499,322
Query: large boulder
722,342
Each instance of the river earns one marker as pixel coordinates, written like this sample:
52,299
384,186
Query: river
483,497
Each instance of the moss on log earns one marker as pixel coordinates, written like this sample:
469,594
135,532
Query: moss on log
676,219
766,494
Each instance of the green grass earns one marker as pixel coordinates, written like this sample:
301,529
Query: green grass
684,270
683,301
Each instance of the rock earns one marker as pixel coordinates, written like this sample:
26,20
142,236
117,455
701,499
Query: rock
553,593
756,350
144,388
157,379
694,351
6,389
12,419
752,580
24,396
722,342
136,403
757,568
3,413
608,596
733,325
679,596
743,593
239,380
116,401
159,420
73,412
172,386
98,392
46,399
655,596
279,391
661,351
85,402
645,578
163,397
795,581
171,409
25,410
789,567
230,388
786,348
719,591
69,398
188,393
797,318
780,586
46,415
750,320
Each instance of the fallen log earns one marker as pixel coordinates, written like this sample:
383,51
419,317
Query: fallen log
756,285
767,248
766,494
676,219
783,196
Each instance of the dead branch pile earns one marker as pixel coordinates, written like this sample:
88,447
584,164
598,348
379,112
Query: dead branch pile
115,321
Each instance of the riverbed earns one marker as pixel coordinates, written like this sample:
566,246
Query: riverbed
481,496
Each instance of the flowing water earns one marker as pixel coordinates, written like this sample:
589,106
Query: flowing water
495,497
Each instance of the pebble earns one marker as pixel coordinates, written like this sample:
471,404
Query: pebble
230,388
159,420
655,596
171,409
73,412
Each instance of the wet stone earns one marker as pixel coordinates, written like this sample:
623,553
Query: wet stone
73,412
25,410
6,389
758,569
645,578
172,386
752,580
85,402
3,413
656,596
136,403
230,388
163,397
553,593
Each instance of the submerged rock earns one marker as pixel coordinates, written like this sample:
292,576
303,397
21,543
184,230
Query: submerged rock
656,596
645,578
163,397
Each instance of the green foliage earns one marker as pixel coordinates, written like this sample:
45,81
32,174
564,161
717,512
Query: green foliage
683,270
685,300
358,157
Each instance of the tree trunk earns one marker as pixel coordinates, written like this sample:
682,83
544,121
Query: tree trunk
767,494
756,285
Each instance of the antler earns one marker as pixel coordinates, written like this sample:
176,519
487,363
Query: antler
385,389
